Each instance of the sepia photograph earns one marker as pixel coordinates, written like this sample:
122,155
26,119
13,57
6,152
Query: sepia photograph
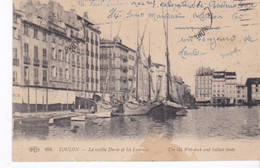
135,80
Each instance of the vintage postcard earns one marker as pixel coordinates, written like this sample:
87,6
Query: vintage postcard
136,80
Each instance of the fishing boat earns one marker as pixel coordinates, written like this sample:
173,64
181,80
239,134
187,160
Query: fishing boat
135,105
168,107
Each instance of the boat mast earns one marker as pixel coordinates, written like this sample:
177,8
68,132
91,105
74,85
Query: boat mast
137,61
149,66
165,25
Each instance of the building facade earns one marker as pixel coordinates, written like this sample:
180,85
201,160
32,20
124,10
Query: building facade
253,89
117,67
241,94
56,55
203,84
218,88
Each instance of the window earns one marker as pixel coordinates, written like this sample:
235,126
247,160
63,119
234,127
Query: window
53,54
73,57
60,73
92,36
67,74
26,30
78,58
53,71
256,90
44,75
44,36
60,55
15,52
78,74
73,73
35,33
14,76
35,52
67,56
26,73
256,85
26,49
44,53
36,74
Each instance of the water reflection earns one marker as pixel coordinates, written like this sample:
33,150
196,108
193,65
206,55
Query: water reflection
206,122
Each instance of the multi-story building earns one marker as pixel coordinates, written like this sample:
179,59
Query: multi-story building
116,60
203,84
253,90
241,94
230,87
158,81
56,55
218,87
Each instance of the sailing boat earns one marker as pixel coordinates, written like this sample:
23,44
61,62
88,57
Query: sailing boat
168,107
135,106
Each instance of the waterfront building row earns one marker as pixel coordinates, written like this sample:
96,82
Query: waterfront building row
53,49
219,87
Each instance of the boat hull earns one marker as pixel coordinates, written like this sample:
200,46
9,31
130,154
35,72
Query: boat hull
164,111
128,109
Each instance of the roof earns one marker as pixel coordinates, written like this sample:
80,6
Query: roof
231,74
106,41
252,81
240,85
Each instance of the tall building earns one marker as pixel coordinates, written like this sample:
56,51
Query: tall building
203,84
117,67
223,87
158,81
218,87
241,94
253,89
56,56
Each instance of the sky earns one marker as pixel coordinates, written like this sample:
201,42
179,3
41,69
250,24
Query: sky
229,40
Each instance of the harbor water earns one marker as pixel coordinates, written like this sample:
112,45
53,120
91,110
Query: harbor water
218,123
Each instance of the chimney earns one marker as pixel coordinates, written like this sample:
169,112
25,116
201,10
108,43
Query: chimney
85,15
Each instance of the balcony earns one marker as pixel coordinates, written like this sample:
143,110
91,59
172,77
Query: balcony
27,60
36,82
73,63
124,57
123,78
87,39
45,63
124,68
36,62
103,66
103,56
44,83
82,65
87,52
15,61
26,82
